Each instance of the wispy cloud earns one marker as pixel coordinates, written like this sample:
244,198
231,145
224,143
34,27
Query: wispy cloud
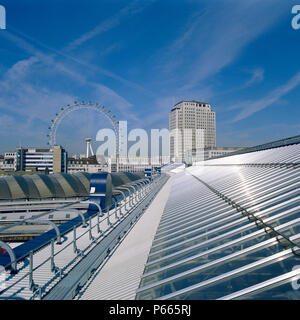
37,98
257,76
27,43
215,38
168,63
38,57
251,107
131,9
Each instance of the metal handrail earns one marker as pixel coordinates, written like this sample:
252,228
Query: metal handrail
124,198
84,224
127,189
135,192
37,216
98,214
51,223
136,183
51,258
10,251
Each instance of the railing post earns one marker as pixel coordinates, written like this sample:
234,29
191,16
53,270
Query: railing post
51,223
144,188
98,222
129,196
124,198
98,214
141,184
90,230
53,267
115,207
123,194
134,193
75,249
120,205
84,224
32,285
108,221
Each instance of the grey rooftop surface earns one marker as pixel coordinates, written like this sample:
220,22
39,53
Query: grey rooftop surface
226,228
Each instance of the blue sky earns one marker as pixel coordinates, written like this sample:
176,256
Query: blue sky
138,57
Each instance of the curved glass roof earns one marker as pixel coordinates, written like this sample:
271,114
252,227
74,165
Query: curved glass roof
60,185
230,230
4,190
121,178
35,186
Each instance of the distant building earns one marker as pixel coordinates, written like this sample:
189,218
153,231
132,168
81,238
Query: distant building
137,164
45,160
90,165
198,117
219,151
7,163
209,153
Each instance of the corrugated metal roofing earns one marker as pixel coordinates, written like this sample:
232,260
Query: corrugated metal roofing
120,276
230,230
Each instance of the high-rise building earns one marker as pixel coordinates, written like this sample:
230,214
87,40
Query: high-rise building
192,126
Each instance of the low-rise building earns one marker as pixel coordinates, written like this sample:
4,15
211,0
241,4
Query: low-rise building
192,156
7,162
137,164
219,151
90,165
52,160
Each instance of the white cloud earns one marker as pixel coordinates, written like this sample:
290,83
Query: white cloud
257,76
52,59
131,9
251,107
214,39
32,100
45,65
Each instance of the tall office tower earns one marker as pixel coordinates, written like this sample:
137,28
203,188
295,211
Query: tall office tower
192,126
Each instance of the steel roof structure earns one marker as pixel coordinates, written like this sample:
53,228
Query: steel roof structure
226,228
230,230
56,263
